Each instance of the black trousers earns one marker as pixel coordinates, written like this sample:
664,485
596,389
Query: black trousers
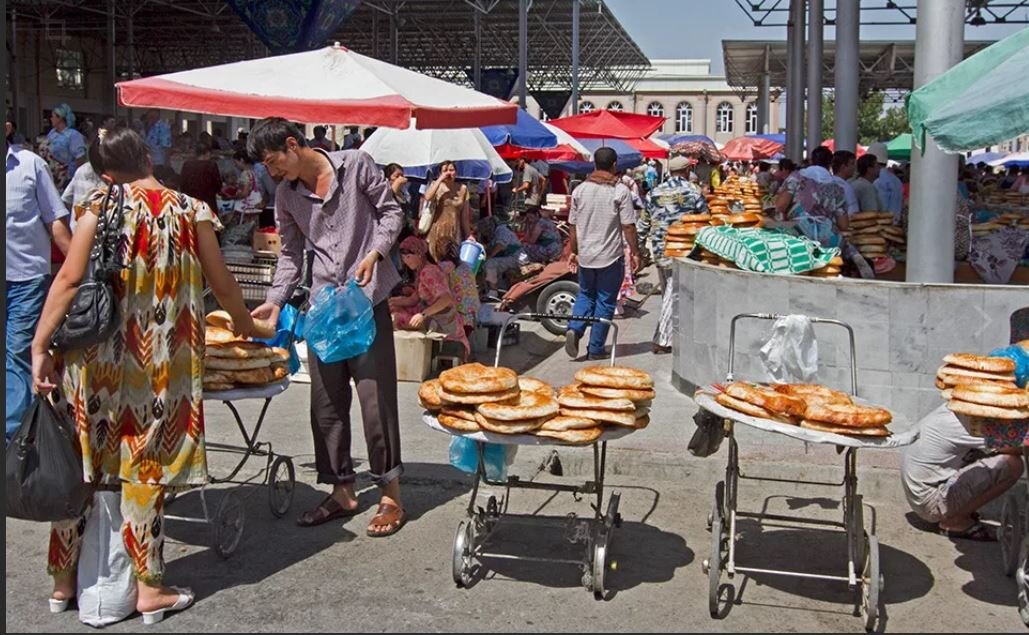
375,374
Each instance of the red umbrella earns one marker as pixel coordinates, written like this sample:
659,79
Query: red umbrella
562,152
648,148
750,149
609,124
831,144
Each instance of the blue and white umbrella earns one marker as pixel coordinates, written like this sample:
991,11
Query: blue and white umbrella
527,132
628,156
421,151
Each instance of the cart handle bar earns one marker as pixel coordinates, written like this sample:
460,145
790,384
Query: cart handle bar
776,316
536,317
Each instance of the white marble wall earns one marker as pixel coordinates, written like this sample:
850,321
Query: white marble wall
902,331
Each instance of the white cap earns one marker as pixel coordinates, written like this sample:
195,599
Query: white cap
878,149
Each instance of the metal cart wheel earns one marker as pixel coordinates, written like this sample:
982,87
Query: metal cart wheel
228,524
464,545
1012,530
871,586
856,535
281,483
713,565
1022,577
600,552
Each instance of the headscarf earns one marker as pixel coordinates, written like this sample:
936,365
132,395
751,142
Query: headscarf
65,112
415,245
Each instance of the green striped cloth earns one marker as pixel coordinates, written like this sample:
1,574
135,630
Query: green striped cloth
765,251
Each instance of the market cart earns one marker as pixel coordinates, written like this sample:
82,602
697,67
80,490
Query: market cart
1014,539
863,574
472,542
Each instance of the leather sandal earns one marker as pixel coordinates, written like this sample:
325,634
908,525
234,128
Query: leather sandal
976,531
389,515
328,509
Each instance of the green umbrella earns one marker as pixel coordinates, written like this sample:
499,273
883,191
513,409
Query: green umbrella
899,149
980,102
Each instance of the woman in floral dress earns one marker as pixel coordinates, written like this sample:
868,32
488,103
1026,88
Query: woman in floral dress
430,303
136,399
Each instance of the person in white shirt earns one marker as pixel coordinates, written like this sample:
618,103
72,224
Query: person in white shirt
889,187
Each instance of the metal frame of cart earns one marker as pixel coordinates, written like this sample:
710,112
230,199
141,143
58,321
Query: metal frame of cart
473,533
1014,539
863,573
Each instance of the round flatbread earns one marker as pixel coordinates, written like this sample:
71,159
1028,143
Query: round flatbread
767,398
476,379
529,405
468,414
878,431
218,335
860,216
872,230
851,415
989,412
956,371
685,230
1009,398
428,395
677,246
210,386
447,397
246,350
998,365
614,377
584,436
571,398
748,408
865,239
255,376
531,384
457,423
229,363
695,218
509,427
627,419
946,380
632,394
676,253
743,219
280,371
814,393
220,319
561,423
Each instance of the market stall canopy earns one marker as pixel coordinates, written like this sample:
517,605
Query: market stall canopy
568,148
980,102
899,149
649,148
628,157
700,150
1018,159
609,124
831,144
986,157
750,149
328,85
675,138
421,151
527,132
778,137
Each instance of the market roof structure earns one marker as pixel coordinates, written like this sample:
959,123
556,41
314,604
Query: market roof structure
436,37
883,64
891,12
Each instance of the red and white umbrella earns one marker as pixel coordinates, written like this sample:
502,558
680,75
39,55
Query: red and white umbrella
328,85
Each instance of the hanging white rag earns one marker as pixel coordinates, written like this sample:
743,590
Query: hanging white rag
791,353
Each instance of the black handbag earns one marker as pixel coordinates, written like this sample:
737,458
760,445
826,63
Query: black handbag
93,315
44,467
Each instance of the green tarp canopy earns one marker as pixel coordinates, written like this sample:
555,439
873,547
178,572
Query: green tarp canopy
982,101
899,149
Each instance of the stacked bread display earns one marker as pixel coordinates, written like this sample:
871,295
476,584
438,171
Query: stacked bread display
831,270
231,362
868,231
474,397
810,406
982,387
682,235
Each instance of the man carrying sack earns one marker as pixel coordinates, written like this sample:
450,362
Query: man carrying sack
340,204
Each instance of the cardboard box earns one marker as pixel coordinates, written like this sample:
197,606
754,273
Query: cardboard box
265,241
414,354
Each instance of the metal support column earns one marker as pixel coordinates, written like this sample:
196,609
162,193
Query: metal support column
845,108
523,53
814,74
939,43
394,37
11,69
795,82
375,34
575,57
764,104
112,60
477,59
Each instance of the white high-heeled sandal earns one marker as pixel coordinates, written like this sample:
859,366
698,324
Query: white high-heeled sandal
59,606
184,601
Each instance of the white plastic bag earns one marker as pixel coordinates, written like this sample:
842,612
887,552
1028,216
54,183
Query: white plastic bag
791,353
107,588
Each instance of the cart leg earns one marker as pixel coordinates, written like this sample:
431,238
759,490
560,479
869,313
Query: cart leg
1022,577
1011,529
871,586
727,507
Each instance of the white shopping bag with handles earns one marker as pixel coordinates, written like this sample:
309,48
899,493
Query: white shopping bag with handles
791,353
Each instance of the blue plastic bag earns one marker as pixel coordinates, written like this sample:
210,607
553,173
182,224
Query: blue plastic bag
1021,358
340,324
287,316
464,455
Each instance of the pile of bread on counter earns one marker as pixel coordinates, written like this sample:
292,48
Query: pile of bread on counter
982,387
811,406
681,235
872,232
474,397
232,362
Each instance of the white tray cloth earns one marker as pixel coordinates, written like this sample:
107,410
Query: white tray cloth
610,434
904,432
257,392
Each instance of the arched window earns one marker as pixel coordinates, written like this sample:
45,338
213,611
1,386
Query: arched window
655,109
752,119
616,106
724,117
684,118
586,106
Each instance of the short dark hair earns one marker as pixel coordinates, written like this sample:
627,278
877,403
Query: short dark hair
865,163
121,150
320,130
841,158
270,134
241,155
821,156
605,158
764,166
787,164
391,168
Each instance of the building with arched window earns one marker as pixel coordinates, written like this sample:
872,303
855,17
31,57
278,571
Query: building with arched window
684,118
655,109
616,106
586,106
725,118
751,119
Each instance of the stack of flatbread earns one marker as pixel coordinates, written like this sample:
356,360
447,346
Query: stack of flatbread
682,235
831,270
232,362
811,406
609,395
982,387
868,232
